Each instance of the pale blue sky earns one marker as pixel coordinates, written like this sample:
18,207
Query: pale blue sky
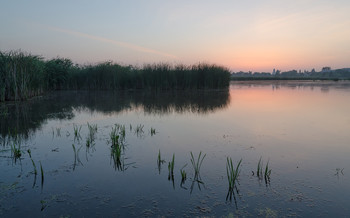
242,35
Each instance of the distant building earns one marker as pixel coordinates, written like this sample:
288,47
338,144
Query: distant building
326,70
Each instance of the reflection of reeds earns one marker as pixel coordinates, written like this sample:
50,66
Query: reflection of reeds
139,130
159,161
267,172
76,131
76,156
197,165
34,166
42,175
183,174
30,155
91,136
152,131
263,174
171,165
259,168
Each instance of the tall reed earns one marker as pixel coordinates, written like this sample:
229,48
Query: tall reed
23,75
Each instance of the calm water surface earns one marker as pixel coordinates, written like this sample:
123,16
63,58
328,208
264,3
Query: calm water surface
300,128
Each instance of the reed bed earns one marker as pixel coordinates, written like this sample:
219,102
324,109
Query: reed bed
24,75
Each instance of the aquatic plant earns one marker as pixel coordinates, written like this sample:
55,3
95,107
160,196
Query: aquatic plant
21,77
139,130
263,174
171,165
42,175
116,156
152,131
267,172
183,174
114,137
160,161
118,130
197,165
58,131
34,166
76,131
232,173
76,157
91,136
341,170
16,151
259,170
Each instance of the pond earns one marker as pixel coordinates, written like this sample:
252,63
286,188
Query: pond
75,154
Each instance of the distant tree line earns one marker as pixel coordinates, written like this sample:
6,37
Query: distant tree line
24,75
325,74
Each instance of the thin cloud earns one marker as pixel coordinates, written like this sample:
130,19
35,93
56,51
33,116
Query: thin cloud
114,42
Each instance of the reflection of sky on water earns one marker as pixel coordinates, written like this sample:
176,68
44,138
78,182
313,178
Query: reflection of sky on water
300,129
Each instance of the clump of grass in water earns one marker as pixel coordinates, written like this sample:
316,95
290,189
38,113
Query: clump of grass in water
159,161
116,153
171,167
232,173
139,130
197,165
117,137
153,131
16,151
119,130
267,172
263,174
76,131
91,136
183,174
58,131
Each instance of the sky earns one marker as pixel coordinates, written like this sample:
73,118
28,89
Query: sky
249,35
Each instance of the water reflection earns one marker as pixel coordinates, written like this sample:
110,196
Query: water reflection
323,86
27,117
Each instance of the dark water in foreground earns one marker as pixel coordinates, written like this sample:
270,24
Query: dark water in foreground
301,128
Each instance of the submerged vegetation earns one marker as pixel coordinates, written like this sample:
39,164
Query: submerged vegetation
24,75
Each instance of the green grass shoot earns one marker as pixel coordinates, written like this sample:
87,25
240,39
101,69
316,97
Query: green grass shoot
197,165
232,173
34,166
171,166
267,172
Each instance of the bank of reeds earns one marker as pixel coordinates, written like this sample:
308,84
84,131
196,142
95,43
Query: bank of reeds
24,75
21,75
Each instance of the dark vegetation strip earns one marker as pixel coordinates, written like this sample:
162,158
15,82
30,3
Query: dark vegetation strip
23,75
